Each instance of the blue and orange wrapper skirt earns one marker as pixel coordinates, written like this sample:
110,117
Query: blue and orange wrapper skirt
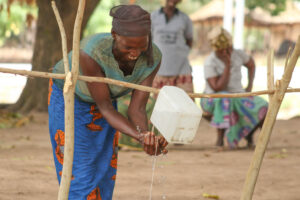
95,148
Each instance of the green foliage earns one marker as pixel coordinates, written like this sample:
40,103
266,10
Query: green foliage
254,39
274,7
100,20
13,23
190,6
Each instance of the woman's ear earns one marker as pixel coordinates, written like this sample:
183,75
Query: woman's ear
113,34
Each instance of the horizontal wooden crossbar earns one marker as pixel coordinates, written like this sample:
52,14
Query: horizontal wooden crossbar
136,86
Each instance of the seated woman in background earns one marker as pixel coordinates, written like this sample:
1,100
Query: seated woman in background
235,118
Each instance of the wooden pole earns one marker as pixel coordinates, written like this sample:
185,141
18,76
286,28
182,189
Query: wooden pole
136,86
63,36
82,78
287,57
68,91
270,72
281,87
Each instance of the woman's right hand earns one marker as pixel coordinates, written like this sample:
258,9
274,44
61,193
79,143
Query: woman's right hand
153,145
226,58
219,83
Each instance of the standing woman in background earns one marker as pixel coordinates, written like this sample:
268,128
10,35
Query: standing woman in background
172,32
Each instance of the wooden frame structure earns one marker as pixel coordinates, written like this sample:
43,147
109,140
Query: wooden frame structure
276,94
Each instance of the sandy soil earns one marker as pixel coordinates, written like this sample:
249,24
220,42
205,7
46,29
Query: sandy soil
27,170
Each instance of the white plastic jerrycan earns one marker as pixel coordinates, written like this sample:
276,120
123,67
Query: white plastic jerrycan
175,115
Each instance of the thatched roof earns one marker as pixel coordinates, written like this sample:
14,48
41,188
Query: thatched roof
288,17
214,11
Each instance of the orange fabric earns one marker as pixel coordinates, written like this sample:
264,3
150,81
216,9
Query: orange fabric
94,195
60,141
60,173
114,159
50,90
114,177
94,127
96,115
184,82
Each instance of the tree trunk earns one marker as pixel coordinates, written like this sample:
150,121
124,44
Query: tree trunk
47,49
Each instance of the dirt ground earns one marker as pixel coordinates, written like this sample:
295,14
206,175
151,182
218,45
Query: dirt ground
27,170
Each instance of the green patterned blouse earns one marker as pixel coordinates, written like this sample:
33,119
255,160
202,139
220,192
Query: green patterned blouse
99,48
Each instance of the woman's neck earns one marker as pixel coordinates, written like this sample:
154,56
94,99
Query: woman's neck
125,66
169,12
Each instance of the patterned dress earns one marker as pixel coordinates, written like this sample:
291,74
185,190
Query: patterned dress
239,116
96,142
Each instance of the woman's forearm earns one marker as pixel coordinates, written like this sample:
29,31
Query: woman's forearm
220,83
251,73
118,121
223,80
139,118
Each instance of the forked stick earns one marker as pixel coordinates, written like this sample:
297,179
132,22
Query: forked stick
69,90
63,37
270,72
264,136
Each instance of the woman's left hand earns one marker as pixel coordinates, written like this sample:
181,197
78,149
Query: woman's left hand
162,144
249,88
153,145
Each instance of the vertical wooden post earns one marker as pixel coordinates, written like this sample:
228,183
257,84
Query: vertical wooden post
63,37
270,72
287,57
69,90
281,86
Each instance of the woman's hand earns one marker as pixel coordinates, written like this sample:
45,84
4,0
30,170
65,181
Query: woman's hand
162,144
225,56
153,145
249,88
251,73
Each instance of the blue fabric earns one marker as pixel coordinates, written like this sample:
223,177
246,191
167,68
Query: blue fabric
95,148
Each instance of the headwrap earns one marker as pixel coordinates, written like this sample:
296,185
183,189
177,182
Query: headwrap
132,21
219,38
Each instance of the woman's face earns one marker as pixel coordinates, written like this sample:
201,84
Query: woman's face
221,53
130,48
172,3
